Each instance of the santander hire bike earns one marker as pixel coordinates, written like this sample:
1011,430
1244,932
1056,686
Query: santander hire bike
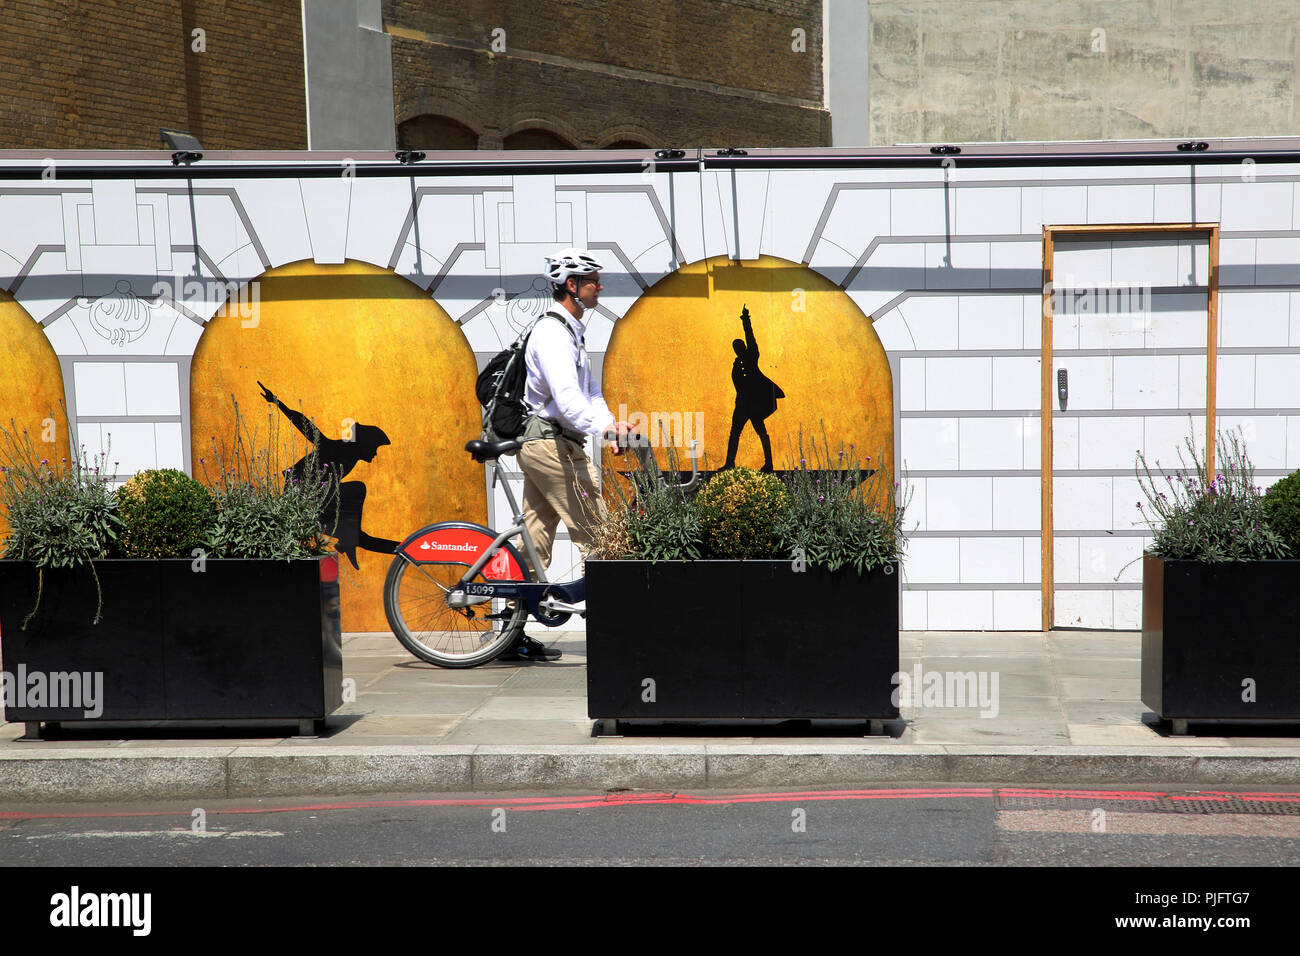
457,593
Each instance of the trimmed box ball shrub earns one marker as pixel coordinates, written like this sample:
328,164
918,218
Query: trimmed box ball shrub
740,514
165,514
1282,509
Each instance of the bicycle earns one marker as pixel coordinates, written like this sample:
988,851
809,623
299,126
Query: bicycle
444,575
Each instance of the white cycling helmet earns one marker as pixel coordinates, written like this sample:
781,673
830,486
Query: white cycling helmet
571,262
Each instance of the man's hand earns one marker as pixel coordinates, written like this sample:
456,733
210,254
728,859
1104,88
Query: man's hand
618,436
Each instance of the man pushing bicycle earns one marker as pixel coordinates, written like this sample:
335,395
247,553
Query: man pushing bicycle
565,406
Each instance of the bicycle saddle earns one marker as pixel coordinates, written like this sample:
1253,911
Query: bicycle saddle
490,451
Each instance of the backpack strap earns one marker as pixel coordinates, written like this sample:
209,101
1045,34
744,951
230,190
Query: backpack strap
552,314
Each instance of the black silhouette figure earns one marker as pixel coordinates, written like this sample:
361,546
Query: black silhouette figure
756,395
343,509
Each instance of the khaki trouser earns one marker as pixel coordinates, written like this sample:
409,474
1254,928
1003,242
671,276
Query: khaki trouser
559,485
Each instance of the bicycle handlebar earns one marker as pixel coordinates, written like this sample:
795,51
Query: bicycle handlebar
640,446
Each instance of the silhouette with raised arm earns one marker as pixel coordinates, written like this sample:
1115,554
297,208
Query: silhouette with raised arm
343,510
756,395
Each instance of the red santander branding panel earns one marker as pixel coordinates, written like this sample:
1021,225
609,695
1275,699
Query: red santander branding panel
464,545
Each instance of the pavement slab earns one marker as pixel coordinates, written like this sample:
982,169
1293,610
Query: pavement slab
1067,711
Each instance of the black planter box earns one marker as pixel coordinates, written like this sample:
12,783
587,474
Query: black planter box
740,639
239,640
1208,628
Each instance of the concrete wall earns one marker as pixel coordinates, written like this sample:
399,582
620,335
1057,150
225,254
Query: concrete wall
846,78
1029,70
349,75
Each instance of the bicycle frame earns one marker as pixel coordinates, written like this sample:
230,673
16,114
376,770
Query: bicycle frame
550,603
497,559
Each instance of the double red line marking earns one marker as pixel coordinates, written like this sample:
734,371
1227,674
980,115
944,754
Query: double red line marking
635,798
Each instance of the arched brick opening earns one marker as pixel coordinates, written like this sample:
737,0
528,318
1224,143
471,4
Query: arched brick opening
536,139
435,132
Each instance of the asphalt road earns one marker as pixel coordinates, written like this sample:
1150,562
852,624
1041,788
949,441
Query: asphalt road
981,825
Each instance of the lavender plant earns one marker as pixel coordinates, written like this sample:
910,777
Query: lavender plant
1197,517
261,512
832,510
55,515
647,520
841,513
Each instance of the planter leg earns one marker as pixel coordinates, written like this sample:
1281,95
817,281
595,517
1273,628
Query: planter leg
307,727
32,730
1180,727
875,728
607,727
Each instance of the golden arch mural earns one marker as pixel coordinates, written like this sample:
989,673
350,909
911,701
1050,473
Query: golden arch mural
810,358
365,355
31,392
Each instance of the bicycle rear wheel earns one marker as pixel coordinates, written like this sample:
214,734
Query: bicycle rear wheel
415,599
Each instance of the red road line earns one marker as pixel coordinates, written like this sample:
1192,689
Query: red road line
537,803
632,798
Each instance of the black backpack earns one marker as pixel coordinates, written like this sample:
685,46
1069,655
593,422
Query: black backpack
500,388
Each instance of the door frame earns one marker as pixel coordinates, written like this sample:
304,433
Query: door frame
1211,229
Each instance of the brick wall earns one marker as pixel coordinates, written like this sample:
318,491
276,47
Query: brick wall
697,72
108,75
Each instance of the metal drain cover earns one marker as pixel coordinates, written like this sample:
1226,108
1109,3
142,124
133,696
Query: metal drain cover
1148,801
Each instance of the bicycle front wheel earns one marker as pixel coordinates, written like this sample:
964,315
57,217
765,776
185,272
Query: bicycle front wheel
415,599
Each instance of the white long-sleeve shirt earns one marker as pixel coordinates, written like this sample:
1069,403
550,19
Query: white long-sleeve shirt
560,384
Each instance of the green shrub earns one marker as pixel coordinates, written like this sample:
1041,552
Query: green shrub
740,514
1282,510
165,514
